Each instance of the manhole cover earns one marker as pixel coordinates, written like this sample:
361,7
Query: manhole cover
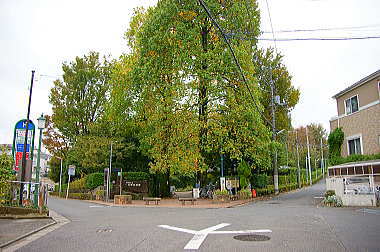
104,230
251,237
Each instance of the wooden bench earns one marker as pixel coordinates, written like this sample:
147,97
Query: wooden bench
183,200
147,199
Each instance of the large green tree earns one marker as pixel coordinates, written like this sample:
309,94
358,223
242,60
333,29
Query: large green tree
192,100
80,98
270,70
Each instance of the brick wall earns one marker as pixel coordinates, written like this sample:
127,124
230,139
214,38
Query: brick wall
366,123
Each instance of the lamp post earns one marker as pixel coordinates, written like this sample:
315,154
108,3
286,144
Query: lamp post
41,125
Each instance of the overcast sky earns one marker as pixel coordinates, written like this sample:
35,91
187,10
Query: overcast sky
41,34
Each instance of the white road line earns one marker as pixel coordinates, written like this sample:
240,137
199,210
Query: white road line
179,229
319,197
200,236
96,206
371,211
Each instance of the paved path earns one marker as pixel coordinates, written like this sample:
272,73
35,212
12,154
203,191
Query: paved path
296,220
11,229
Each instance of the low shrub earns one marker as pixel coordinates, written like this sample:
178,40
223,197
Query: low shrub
353,158
221,192
79,185
329,193
135,196
245,194
333,200
81,196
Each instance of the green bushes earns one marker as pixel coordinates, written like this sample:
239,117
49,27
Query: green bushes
221,192
333,200
136,176
245,194
329,193
259,180
335,141
94,180
265,191
80,196
353,158
79,185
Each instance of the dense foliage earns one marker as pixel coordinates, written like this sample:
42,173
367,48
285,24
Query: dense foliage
175,102
335,141
6,162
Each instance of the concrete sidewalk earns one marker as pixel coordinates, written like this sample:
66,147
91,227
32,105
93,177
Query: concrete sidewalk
12,230
174,203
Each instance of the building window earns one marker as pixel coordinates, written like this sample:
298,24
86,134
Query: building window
354,146
352,105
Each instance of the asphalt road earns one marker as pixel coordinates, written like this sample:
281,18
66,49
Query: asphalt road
296,220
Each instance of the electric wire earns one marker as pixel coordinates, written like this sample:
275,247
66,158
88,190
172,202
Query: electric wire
208,12
319,39
326,29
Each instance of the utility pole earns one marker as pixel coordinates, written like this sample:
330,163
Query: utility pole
322,163
109,176
298,163
60,179
23,167
275,169
308,155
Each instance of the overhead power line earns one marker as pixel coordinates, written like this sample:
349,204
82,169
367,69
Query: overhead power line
326,29
323,39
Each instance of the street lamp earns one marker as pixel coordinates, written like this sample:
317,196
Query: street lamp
41,125
60,178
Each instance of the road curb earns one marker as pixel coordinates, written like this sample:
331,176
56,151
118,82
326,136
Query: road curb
17,243
15,217
27,234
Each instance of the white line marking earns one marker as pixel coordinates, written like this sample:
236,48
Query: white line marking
96,206
319,197
371,211
200,236
178,229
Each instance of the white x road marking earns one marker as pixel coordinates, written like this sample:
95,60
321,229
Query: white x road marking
200,236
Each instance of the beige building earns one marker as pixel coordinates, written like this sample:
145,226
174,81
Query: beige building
358,109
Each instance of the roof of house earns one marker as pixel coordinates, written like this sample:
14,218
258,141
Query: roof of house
359,83
359,163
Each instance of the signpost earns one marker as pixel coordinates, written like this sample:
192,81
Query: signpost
23,142
70,172
18,142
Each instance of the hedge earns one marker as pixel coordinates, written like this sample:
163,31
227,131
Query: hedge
259,180
353,158
94,180
136,176
81,196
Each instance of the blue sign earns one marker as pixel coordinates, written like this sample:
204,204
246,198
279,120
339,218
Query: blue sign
22,125
19,139
20,147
